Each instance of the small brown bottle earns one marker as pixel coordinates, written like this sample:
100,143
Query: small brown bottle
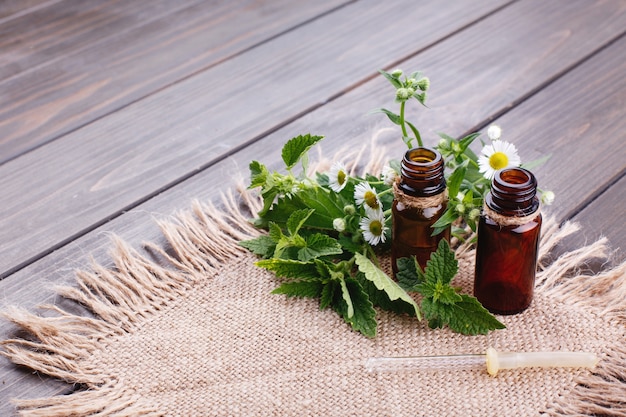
420,200
508,242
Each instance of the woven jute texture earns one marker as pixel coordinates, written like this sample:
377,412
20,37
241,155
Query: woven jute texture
194,331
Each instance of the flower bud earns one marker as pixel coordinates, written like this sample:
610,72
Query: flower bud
494,132
411,91
473,214
349,209
411,81
397,73
547,198
460,208
423,84
443,144
402,94
339,224
456,148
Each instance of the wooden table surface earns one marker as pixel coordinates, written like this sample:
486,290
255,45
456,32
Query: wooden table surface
114,113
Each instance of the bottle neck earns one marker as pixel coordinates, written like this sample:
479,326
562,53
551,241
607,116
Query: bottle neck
513,193
422,173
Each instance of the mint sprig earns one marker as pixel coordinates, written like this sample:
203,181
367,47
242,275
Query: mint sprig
442,304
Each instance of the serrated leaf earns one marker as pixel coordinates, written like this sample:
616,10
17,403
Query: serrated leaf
409,274
380,298
296,147
287,268
308,289
317,245
258,174
276,232
297,219
364,316
472,318
345,294
442,265
393,80
328,292
384,283
263,246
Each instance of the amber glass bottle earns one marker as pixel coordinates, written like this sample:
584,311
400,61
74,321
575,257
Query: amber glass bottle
419,202
508,240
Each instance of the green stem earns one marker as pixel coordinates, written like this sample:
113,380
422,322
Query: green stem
373,256
387,191
402,124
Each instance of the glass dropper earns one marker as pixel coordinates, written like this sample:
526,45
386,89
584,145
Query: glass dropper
492,360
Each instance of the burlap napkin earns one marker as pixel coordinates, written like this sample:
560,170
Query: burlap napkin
194,331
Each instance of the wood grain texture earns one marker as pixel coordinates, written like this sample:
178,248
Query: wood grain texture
89,78
51,195
345,122
13,8
64,28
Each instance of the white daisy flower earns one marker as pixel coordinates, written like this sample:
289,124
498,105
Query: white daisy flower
365,194
389,175
494,132
498,155
373,227
337,177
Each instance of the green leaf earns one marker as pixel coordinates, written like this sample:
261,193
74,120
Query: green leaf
467,317
297,219
296,147
439,292
346,297
455,180
263,246
381,299
442,265
276,234
448,217
258,174
395,118
309,289
415,132
328,292
467,140
317,245
287,268
363,318
536,162
393,80
409,274
384,283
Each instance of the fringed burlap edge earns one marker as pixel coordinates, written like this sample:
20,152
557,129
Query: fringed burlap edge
199,241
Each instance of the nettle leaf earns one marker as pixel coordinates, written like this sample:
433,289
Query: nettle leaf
442,265
276,233
297,219
258,174
317,245
363,318
467,316
301,289
346,297
409,274
263,246
384,283
287,268
381,299
440,293
296,147
328,292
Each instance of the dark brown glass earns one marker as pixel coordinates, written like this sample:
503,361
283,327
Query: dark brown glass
506,256
421,176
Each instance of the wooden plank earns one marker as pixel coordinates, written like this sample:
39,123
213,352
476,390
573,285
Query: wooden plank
345,122
63,28
149,54
13,8
603,218
56,192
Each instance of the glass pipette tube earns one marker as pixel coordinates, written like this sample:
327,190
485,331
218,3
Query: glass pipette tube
492,360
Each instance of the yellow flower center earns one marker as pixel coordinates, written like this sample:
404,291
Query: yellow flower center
498,160
376,228
370,199
341,177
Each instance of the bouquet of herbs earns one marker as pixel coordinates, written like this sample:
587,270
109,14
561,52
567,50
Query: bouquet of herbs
325,232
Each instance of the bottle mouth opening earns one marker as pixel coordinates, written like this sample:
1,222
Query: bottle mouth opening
423,157
515,178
